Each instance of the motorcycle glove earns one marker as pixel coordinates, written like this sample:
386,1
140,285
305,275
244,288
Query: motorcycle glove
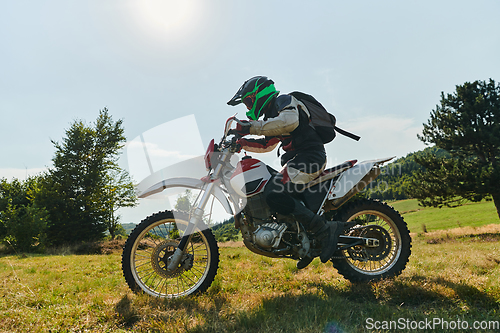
243,129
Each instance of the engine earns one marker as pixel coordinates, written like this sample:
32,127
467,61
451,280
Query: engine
257,208
269,235
262,233
257,227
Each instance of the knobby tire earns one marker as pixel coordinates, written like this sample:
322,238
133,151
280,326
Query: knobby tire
153,241
373,212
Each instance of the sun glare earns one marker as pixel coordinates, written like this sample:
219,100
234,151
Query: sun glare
167,19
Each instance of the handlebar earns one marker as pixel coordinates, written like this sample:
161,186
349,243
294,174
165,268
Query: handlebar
235,133
242,123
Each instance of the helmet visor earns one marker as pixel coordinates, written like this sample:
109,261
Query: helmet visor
260,99
249,101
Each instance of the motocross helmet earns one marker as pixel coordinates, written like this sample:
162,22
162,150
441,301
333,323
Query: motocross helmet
256,93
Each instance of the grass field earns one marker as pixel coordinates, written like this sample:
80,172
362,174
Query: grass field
471,215
453,276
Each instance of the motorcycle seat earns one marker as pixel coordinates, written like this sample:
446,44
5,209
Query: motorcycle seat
344,166
327,174
332,172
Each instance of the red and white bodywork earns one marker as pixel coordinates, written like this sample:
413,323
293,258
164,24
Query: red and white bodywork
250,177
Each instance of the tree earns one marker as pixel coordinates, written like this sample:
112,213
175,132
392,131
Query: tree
185,201
226,231
120,232
86,186
119,192
22,221
467,125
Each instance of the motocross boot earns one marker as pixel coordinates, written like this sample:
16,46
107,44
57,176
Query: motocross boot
326,232
304,262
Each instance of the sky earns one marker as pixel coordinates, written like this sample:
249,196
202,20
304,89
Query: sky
378,66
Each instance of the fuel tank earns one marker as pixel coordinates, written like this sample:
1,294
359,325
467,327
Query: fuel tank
250,177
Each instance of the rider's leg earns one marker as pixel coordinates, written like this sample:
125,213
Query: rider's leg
326,232
279,198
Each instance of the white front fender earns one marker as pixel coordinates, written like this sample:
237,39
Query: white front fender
186,182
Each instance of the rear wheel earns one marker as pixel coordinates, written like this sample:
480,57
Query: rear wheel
388,258
149,247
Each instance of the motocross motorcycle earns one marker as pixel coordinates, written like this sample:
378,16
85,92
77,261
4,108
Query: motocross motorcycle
174,254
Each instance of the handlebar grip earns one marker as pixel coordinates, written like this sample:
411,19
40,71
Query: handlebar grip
235,133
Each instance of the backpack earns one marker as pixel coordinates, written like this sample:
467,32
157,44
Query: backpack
320,119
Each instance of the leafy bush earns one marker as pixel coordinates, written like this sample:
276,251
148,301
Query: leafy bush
23,223
225,231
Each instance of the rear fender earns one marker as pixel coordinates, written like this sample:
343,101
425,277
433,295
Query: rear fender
186,182
356,178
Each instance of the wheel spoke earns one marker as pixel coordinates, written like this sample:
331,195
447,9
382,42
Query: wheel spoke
374,266
150,255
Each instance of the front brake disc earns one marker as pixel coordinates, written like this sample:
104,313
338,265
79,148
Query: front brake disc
160,259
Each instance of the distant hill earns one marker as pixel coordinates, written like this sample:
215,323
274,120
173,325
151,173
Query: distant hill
226,228
392,184
129,227
225,231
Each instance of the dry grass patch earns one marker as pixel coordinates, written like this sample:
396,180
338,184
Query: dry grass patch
487,233
251,293
232,244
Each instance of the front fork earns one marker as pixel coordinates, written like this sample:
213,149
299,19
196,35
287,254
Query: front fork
196,216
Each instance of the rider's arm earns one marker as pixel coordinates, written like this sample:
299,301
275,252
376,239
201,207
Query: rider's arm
262,145
285,122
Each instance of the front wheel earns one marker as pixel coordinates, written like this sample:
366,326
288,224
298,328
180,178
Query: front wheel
375,220
148,249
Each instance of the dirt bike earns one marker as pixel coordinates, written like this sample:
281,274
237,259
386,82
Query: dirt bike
174,254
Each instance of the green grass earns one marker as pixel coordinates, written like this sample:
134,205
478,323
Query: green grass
452,279
406,206
469,215
452,275
58,293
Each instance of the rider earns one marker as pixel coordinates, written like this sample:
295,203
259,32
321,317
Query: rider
286,120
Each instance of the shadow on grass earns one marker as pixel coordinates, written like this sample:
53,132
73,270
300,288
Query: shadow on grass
328,308
127,313
418,291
